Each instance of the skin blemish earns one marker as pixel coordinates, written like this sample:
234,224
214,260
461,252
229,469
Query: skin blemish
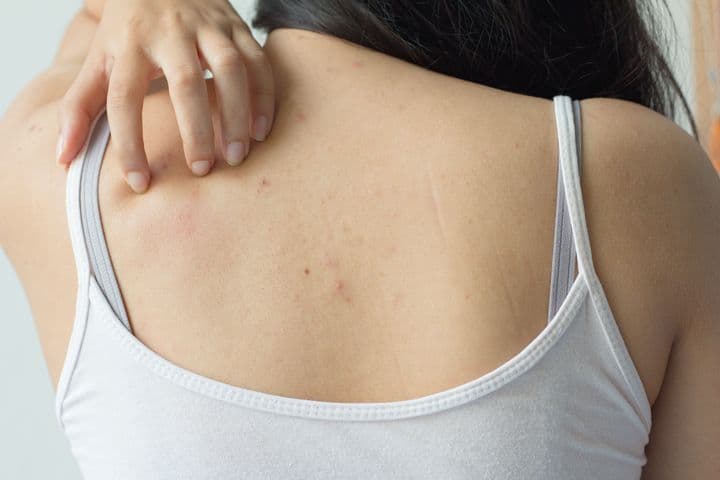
357,63
397,298
262,184
300,117
330,261
195,192
185,223
340,289
307,271
33,127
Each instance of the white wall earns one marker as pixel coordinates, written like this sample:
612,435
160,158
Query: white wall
31,446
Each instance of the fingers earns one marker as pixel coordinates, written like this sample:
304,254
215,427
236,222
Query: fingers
128,84
261,87
188,94
81,104
230,79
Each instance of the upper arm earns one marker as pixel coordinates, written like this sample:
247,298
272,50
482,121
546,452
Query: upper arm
653,205
676,192
685,436
28,128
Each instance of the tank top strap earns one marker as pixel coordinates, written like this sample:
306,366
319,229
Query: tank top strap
568,131
88,240
563,269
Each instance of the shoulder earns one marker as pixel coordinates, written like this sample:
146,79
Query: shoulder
653,197
658,184
28,131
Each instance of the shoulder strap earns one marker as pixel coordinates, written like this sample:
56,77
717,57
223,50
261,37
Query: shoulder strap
83,211
563,263
568,149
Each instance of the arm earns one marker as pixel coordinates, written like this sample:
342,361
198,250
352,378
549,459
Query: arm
94,8
653,206
685,436
52,83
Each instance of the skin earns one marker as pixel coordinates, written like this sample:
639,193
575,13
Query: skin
139,40
363,252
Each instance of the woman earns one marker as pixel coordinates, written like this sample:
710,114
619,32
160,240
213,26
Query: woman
386,287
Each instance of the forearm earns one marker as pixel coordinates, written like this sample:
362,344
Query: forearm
52,83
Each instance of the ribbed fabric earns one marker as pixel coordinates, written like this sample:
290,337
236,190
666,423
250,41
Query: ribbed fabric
569,405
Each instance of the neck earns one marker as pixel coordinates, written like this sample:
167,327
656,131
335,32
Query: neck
308,61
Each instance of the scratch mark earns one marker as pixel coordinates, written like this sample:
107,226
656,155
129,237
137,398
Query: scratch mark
436,204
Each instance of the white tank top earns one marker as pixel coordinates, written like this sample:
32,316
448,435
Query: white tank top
569,405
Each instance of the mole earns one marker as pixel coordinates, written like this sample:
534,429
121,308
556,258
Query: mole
307,271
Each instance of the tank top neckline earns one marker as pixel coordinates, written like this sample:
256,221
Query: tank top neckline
436,402
102,306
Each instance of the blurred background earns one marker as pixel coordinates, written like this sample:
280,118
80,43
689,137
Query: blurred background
31,444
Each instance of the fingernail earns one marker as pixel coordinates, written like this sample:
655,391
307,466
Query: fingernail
59,147
137,181
200,168
261,125
235,153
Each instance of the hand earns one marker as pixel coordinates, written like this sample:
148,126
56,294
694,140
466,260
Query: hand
138,40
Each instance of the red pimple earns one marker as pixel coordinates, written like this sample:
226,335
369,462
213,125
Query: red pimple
340,288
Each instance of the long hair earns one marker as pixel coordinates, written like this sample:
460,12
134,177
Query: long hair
542,48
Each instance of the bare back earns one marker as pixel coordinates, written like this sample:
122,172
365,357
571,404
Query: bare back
390,239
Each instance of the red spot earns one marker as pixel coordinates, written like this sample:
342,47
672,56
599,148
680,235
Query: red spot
357,64
300,117
467,295
340,288
330,261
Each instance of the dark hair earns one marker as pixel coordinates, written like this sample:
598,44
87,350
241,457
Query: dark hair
543,48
